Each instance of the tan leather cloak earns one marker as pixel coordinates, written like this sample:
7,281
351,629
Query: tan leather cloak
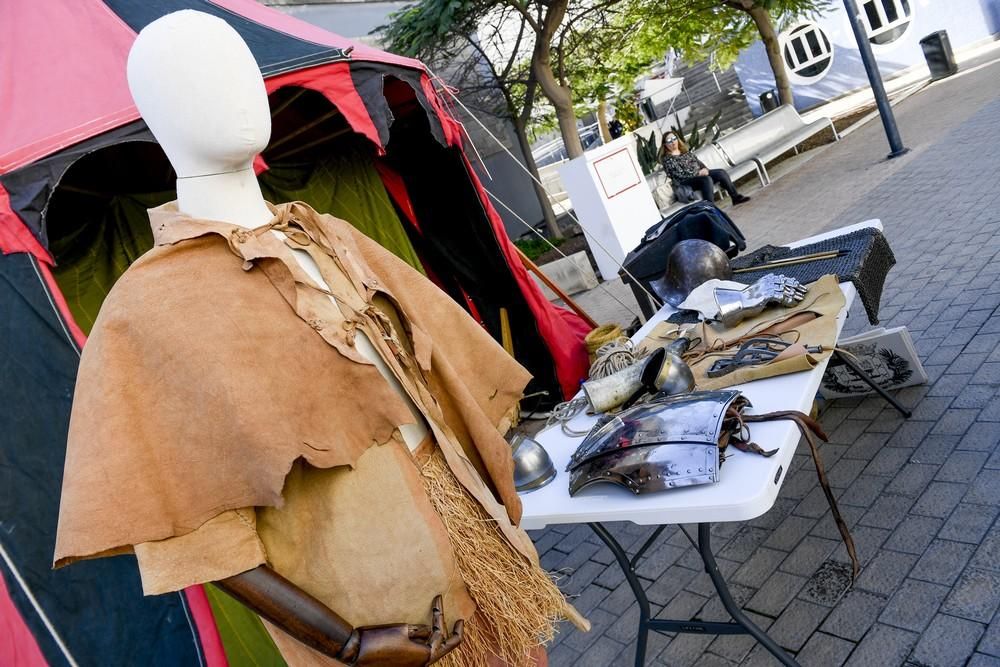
200,386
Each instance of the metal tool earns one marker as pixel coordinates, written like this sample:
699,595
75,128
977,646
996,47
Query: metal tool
791,261
754,352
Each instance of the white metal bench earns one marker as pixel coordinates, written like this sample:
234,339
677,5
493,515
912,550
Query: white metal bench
763,139
713,158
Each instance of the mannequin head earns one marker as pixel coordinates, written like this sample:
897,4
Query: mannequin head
201,93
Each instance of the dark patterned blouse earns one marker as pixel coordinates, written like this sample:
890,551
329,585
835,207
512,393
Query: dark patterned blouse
679,167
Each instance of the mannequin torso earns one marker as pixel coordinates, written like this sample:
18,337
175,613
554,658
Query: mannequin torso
413,434
201,93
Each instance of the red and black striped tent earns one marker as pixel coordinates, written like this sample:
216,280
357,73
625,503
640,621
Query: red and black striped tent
356,132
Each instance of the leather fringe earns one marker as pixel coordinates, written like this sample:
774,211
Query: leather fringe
810,430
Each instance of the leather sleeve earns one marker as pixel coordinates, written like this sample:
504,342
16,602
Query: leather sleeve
222,547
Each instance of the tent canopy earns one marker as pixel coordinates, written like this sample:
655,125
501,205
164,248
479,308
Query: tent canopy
67,79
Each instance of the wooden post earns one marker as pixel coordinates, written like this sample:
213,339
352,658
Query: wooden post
531,266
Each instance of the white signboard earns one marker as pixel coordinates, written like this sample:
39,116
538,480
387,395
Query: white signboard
611,198
617,173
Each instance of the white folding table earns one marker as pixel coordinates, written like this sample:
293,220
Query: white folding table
747,488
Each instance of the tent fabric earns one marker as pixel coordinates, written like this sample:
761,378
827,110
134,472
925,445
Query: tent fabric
204,623
49,103
348,186
97,36
77,167
93,256
31,187
244,637
572,359
36,395
22,649
334,83
16,237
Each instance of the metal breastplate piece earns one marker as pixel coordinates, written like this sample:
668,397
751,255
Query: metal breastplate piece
665,443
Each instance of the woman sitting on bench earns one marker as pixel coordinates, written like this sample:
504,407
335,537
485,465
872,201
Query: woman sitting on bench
685,168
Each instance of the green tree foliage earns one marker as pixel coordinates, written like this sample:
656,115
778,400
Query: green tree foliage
699,136
483,57
548,28
719,29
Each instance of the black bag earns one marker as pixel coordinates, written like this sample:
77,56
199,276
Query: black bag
683,194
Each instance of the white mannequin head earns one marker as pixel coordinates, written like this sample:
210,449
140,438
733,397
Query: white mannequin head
201,93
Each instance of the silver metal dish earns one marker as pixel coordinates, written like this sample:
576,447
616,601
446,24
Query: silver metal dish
533,468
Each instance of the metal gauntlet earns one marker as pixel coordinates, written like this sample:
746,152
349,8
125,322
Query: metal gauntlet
737,305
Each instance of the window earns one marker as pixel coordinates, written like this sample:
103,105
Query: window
885,20
807,52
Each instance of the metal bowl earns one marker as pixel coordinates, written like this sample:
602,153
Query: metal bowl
533,468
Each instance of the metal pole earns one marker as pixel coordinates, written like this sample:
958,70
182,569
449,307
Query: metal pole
875,79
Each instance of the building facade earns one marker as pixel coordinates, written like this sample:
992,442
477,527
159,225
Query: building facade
821,54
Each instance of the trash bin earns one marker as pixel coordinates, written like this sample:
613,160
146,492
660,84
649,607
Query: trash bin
769,100
937,52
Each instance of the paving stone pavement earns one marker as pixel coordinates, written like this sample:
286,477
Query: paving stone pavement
921,495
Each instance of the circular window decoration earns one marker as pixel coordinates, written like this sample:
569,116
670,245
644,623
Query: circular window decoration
807,53
885,21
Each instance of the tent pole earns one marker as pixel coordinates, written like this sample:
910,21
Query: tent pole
284,105
305,128
321,140
531,266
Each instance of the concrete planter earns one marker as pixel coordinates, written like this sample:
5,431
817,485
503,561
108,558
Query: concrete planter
573,274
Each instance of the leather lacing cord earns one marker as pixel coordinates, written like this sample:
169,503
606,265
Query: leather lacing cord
735,432
720,348
810,430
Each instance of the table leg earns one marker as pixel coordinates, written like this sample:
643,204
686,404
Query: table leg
633,581
741,624
705,549
860,372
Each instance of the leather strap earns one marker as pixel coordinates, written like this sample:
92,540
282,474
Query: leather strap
810,430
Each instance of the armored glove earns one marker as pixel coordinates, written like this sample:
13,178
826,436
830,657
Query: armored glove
401,645
737,305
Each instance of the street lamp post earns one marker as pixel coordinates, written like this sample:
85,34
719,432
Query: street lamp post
875,79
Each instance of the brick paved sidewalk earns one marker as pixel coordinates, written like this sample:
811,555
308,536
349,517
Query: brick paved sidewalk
921,495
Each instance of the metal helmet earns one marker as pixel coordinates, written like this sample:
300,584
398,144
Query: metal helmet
690,263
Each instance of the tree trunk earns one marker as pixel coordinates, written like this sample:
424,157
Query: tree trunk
559,95
520,120
562,101
602,120
551,223
762,20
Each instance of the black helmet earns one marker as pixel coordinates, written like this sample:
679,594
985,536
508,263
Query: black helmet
690,263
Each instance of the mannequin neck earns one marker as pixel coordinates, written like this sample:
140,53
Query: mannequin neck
233,197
